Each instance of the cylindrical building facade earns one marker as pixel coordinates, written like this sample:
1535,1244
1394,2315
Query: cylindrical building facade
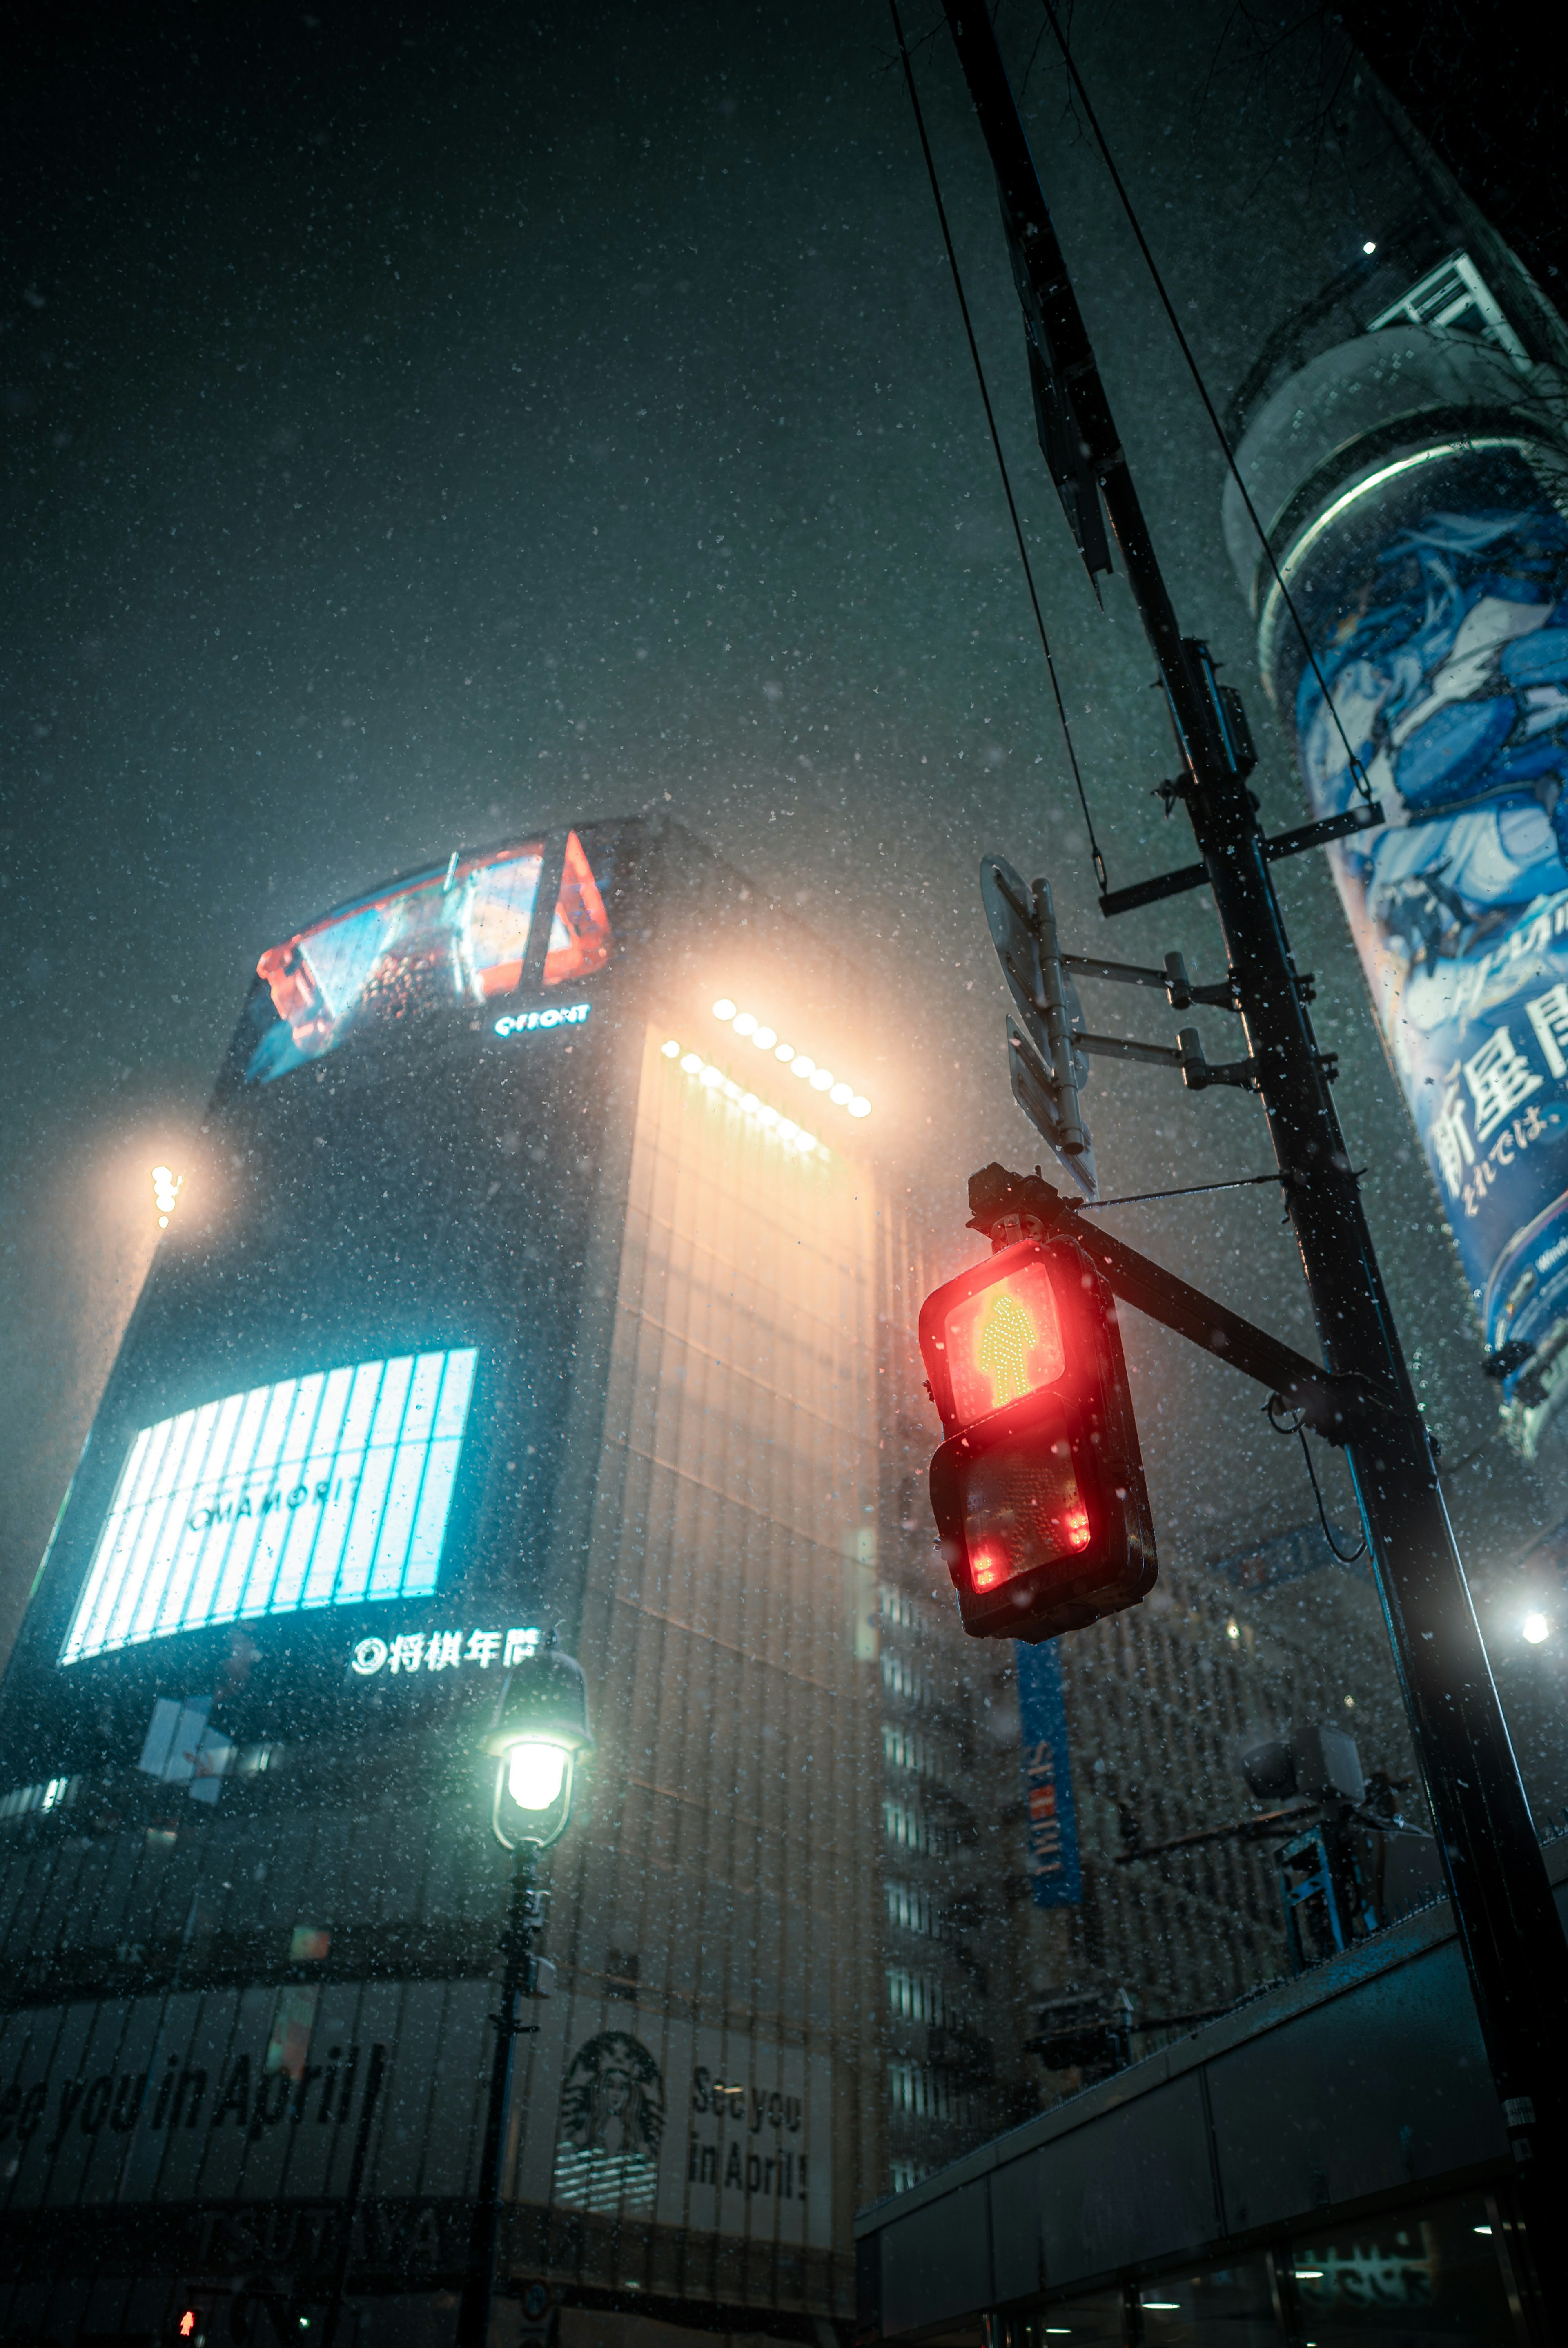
1413,630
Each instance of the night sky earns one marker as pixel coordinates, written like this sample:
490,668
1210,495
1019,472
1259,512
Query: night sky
421,426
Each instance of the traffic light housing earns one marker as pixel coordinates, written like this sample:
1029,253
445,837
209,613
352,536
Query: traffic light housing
1038,1491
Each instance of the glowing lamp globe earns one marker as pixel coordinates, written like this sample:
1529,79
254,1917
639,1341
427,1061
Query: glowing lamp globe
536,1773
540,1736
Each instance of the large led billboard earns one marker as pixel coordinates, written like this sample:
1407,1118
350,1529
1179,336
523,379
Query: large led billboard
459,935
330,1489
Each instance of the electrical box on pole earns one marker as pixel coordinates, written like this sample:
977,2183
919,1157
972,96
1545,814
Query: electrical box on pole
1038,1491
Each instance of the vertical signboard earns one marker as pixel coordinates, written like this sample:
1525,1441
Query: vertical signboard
1434,600
1051,1831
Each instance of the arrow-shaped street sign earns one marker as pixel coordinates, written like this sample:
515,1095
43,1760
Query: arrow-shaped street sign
1047,1073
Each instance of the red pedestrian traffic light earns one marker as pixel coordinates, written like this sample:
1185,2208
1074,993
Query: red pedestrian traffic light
1038,1491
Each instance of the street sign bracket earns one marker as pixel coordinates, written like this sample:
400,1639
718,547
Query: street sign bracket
1283,843
1341,1408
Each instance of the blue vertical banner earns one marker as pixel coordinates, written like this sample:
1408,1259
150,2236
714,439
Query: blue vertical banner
1050,1830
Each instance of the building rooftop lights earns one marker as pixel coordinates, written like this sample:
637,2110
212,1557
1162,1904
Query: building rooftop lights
166,1189
713,1079
799,1064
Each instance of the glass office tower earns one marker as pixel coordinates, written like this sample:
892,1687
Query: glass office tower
539,1277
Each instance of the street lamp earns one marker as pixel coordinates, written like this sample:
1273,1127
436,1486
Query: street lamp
541,1735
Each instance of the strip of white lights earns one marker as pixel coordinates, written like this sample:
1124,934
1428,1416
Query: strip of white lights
799,1064
783,1129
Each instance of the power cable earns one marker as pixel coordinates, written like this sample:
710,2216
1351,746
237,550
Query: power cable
1300,1433
1357,771
1100,873
1193,1191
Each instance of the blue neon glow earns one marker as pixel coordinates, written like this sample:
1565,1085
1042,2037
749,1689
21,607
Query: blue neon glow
326,1490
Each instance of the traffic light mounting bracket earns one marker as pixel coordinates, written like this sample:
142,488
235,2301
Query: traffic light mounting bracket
1342,1408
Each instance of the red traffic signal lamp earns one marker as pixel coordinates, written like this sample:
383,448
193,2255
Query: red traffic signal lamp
1038,1491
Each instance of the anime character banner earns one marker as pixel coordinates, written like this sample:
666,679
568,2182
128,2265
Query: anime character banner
1437,604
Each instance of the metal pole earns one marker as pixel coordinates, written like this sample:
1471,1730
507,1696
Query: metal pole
350,2211
1501,1901
516,1935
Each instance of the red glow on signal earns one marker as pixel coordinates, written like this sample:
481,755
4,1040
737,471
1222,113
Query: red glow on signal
989,1566
1075,1525
188,2323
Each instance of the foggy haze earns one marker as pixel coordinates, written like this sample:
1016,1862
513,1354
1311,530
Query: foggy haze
419,431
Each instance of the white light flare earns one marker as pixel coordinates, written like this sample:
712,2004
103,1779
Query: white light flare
166,1189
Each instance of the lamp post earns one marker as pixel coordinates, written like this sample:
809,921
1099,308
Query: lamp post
541,1735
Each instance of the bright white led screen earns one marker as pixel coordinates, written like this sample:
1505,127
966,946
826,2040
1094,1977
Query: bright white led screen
326,1490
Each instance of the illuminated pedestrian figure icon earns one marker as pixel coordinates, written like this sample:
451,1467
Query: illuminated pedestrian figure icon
1008,1337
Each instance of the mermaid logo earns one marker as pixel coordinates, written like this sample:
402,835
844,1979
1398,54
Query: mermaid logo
611,2124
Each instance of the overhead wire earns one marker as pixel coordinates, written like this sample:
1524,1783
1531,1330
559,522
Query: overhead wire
1357,771
1099,872
1190,1191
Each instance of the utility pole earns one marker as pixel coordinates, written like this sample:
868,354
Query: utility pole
519,1977
1502,1906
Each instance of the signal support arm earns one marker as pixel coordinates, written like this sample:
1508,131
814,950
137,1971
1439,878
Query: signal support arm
1024,1206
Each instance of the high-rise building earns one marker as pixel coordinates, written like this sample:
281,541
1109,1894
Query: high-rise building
540,1276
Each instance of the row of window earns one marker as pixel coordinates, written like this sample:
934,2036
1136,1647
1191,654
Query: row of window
924,1757
907,1829
912,1909
23,1801
926,2095
901,1678
916,1997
